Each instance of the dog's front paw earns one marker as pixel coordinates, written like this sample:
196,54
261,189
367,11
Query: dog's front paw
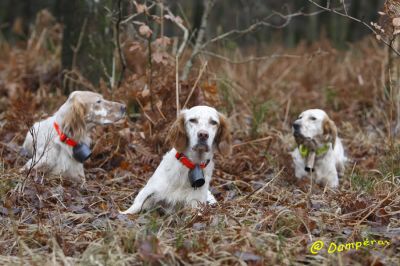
211,199
132,210
24,169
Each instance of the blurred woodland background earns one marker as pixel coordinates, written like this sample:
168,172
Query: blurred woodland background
96,21
260,62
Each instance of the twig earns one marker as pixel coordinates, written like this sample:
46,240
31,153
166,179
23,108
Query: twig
199,40
177,85
183,28
78,45
121,56
255,192
251,141
335,11
195,84
162,16
261,58
144,112
262,23
136,14
344,6
200,46
375,207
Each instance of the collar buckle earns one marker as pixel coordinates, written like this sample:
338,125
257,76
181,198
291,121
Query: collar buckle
63,137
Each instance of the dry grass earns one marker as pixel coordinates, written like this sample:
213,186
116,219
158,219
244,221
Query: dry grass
264,217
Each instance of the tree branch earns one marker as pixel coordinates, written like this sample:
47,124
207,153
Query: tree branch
200,46
262,23
118,42
200,36
183,28
261,58
335,11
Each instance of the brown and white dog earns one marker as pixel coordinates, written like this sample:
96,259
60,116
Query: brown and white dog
60,143
184,173
316,133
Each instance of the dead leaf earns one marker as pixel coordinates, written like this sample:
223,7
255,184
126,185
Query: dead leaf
396,22
140,8
157,57
149,249
145,30
247,256
163,41
210,88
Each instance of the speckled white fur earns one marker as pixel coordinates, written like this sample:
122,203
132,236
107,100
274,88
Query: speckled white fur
43,145
328,166
170,182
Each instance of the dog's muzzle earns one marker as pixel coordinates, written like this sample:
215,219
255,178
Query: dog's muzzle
296,129
201,147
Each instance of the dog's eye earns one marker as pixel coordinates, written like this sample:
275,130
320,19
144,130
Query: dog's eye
98,101
193,120
313,118
213,122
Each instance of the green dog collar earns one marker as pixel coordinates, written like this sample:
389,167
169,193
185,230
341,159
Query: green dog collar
304,151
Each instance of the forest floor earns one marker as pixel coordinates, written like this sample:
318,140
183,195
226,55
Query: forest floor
264,215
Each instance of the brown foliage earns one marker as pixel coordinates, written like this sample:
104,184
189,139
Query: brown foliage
264,215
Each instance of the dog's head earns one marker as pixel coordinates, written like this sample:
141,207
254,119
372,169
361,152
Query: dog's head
201,129
315,124
85,107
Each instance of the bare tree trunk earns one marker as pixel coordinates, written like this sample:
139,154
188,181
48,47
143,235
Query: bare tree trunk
200,37
392,10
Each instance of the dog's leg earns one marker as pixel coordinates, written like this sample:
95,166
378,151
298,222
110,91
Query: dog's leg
299,165
210,198
340,168
26,167
140,200
333,181
38,164
330,178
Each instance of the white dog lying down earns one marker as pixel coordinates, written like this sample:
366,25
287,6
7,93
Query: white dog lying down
60,143
195,135
314,126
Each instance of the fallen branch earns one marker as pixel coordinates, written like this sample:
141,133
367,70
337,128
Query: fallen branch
251,141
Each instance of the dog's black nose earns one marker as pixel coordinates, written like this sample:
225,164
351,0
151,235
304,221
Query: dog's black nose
202,135
296,126
123,109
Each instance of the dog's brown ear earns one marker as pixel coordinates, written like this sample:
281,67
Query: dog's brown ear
74,121
177,136
223,139
330,131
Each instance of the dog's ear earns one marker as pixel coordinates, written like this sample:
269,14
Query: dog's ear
223,139
177,136
74,121
330,130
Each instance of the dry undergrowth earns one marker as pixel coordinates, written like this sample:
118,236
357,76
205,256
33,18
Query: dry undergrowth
264,217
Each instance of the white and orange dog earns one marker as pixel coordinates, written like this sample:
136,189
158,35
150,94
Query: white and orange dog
184,173
314,126
60,143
